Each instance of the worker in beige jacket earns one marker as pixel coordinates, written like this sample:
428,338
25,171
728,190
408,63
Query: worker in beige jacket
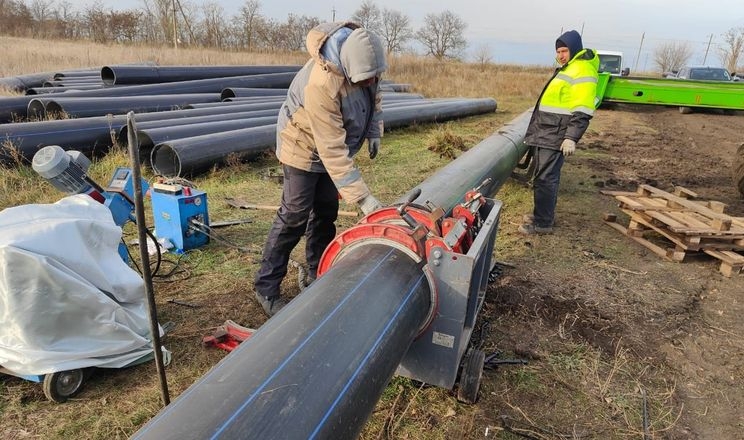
333,105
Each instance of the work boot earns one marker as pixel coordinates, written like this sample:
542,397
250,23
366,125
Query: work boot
271,305
529,219
530,229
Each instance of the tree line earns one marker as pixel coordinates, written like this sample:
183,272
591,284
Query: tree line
671,56
206,24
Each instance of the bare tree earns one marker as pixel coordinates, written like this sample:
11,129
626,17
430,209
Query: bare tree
250,20
483,54
212,25
442,35
368,15
396,30
733,48
672,56
41,10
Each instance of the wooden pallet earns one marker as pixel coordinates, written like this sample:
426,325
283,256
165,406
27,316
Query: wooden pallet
691,226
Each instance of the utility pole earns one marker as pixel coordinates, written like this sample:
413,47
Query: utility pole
333,12
175,27
638,56
710,40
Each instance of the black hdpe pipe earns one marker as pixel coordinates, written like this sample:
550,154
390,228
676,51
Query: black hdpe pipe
16,107
213,85
255,99
69,81
88,135
393,87
88,107
242,92
150,137
193,155
177,163
219,117
162,74
437,112
317,368
20,83
46,90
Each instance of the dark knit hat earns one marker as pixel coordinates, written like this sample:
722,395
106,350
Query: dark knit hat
571,40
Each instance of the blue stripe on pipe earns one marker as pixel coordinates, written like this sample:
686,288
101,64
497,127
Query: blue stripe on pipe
369,353
294,353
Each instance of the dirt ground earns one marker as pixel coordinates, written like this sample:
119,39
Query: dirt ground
605,322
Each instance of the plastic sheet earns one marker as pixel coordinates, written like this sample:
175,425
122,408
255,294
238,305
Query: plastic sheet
67,300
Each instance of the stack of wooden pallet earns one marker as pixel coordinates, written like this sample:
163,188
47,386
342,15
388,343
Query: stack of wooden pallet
690,226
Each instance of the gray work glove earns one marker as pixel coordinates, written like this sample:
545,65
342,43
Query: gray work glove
369,204
568,147
373,145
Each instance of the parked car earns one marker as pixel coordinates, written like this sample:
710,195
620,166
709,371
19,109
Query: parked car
703,73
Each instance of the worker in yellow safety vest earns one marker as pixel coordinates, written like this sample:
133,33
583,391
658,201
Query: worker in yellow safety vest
559,120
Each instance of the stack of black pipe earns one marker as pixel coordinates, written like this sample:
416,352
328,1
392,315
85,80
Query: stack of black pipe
189,118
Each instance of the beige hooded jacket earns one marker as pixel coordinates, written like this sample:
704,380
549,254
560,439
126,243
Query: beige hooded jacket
326,116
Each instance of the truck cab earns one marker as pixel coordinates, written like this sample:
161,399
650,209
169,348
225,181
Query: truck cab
612,63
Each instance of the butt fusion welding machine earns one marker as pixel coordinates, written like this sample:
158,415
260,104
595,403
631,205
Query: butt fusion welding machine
179,212
457,250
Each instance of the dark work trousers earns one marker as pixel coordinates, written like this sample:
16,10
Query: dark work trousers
310,207
548,164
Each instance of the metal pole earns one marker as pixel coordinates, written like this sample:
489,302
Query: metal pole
139,210
638,56
175,27
710,40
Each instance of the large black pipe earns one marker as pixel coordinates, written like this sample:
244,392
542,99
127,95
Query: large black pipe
20,83
87,107
88,135
318,367
177,162
72,81
215,85
16,107
238,92
150,137
219,117
162,74
188,156
437,112
46,90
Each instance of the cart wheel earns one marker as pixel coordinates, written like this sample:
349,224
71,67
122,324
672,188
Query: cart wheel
63,384
470,376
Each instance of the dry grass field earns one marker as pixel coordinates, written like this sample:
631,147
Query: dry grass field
620,344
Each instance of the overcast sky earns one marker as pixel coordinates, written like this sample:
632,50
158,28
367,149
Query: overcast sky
524,31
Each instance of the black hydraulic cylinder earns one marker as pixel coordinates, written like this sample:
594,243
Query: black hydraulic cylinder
188,156
163,74
317,368
87,107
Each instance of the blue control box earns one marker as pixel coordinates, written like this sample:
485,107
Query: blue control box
175,209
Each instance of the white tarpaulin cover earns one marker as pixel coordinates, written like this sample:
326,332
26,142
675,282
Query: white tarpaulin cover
67,300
